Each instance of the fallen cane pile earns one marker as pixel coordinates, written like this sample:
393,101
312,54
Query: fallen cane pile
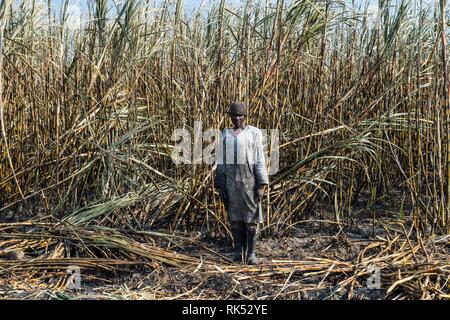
34,258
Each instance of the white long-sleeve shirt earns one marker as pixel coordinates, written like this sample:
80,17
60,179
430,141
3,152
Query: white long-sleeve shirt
241,170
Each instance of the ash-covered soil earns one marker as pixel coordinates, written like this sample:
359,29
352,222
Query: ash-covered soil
318,238
307,241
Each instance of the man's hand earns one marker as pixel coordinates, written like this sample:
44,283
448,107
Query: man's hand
261,191
222,194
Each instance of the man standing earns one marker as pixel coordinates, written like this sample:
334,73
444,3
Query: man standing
241,177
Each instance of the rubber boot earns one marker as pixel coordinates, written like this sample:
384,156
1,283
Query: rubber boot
251,247
239,238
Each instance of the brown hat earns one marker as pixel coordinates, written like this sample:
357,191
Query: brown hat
238,108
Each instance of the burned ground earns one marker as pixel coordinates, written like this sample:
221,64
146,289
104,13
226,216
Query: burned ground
318,259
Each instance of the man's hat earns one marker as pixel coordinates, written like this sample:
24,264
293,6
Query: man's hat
238,108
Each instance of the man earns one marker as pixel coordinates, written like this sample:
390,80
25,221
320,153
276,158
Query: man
241,177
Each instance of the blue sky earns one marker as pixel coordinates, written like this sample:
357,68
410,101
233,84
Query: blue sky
194,4
190,4
78,7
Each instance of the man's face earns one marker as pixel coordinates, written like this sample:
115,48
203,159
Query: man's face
238,120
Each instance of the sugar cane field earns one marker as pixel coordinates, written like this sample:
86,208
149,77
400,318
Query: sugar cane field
91,93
